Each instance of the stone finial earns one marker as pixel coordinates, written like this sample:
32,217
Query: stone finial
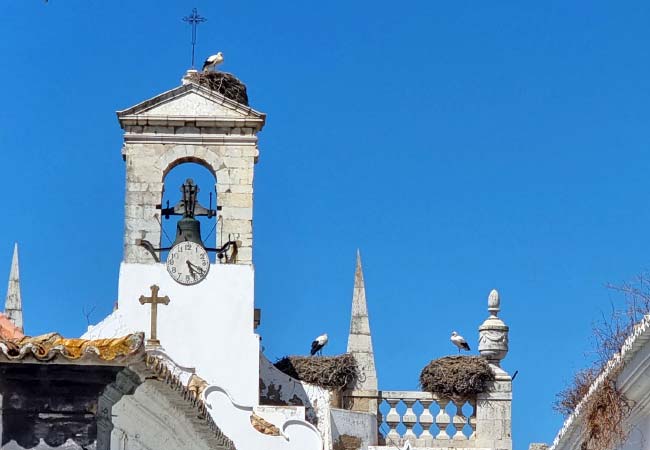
189,76
494,303
13,301
493,333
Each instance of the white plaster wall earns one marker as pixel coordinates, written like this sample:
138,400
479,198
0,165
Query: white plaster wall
234,420
639,438
208,326
280,387
148,420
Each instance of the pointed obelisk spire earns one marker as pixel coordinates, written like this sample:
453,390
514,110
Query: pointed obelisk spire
360,346
14,303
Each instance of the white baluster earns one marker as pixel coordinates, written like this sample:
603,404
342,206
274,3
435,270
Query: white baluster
426,420
409,419
442,420
459,421
392,420
472,418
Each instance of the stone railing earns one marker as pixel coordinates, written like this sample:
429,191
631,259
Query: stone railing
425,420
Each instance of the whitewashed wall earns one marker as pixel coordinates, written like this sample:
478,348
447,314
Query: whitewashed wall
276,387
235,421
208,326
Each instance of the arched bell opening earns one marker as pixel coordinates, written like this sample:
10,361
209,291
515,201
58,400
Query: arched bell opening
189,179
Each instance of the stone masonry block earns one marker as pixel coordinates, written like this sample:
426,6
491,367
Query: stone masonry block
244,254
236,226
237,200
238,162
241,188
237,213
187,130
134,211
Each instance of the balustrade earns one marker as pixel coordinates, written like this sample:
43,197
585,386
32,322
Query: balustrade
409,418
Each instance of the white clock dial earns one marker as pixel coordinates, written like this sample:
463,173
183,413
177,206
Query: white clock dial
188,263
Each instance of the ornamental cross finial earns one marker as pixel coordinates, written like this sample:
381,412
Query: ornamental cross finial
155,301
194,20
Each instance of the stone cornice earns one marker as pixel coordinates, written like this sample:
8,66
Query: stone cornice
139,138
199,121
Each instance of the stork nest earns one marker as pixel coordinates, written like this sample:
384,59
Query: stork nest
456,377
331,372
224,83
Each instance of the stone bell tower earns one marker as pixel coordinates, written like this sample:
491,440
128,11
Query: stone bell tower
191,123
207,319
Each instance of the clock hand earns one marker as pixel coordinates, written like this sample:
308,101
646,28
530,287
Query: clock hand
197,268
189,265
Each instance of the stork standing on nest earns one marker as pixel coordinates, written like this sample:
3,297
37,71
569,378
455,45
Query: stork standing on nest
212,62
459,341
318,344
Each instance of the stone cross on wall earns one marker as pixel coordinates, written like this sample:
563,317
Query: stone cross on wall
155,301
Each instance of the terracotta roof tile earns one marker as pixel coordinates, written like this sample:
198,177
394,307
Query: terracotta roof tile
52,345
7,328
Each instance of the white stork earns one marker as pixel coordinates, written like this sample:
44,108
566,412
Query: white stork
318,344
459,341
212,62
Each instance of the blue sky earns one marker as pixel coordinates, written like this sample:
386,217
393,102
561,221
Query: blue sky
462,146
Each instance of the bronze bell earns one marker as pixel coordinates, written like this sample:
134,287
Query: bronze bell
188,229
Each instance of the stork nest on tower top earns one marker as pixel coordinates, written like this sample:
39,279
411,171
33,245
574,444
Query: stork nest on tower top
224,83
331,372
456,377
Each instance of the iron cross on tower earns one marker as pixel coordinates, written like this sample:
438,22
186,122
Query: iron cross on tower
194,20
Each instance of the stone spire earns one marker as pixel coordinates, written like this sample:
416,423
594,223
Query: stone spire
14,303
360,343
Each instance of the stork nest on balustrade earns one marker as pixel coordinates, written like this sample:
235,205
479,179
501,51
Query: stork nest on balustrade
224,83
456,377
330,372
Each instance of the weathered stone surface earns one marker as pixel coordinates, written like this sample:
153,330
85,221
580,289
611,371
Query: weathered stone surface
360,346
189,124
13,301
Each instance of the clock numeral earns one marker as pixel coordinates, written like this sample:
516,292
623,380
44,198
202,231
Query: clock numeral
173,269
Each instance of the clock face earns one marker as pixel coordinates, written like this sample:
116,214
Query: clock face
188,263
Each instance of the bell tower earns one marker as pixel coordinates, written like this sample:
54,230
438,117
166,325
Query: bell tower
191,123
207,319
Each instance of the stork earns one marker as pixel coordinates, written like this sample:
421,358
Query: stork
318,344
212,62
459,341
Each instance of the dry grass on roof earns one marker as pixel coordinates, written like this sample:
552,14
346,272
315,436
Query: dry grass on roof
331,372
599,405
456,377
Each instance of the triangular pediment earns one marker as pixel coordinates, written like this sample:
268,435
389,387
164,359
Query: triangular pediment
191,101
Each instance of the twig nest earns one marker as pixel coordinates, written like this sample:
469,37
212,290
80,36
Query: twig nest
224,83
456,377
331,372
